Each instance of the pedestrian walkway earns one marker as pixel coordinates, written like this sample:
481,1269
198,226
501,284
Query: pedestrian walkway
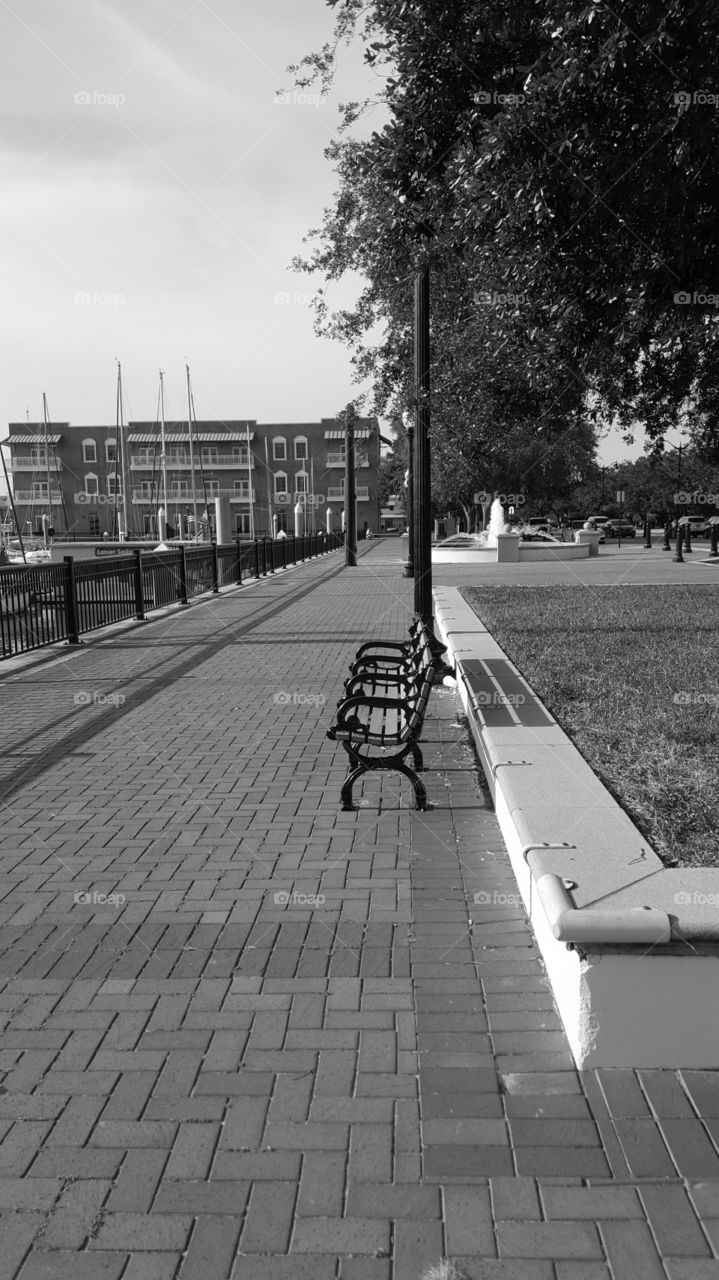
247,1036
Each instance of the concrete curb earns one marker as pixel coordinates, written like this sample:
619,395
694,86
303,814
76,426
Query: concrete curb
629,945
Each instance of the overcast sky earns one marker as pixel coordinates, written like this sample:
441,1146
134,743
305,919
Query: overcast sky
154,190
155,186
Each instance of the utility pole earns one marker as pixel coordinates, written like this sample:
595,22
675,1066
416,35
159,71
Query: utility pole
350,502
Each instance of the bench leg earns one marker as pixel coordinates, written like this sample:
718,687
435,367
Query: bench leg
417,757
420,791
347,785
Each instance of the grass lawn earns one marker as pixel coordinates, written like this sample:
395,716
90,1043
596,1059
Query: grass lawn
612,664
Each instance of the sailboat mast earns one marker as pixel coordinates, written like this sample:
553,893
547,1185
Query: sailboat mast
163,454
192,450
123,452
47,458
249,481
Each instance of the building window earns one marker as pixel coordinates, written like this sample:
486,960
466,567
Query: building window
301,479
242,522
89,451
94,525
280,482
209,454
301,448
39,489
113,488
179,489
91,484
145,457
279,449
146,487
240,455
213,487
111,450
241,489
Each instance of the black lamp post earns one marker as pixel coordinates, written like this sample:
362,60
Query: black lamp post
350,503
422,486
409,566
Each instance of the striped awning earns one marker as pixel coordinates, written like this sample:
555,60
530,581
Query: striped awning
199,437
360,434
37,439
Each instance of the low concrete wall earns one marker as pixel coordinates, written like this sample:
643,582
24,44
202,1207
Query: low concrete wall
631,947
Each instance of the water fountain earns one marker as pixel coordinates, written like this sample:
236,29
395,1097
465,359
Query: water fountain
503,544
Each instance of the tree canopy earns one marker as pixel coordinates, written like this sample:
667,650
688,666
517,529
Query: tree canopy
557,164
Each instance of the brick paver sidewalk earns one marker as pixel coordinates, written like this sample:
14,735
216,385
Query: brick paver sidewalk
247,1035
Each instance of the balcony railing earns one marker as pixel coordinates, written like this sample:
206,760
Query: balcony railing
338,460
337,494
25,462
26,496
148,462
141,495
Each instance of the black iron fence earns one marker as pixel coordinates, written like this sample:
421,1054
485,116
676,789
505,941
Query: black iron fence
44,604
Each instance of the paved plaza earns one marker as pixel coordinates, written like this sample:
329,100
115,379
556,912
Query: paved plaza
247,1036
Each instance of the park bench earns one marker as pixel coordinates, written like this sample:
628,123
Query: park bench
380,719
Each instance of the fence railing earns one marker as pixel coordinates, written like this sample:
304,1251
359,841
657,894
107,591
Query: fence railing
47,603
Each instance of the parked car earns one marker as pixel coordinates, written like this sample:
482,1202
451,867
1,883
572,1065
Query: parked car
540,522
581,524
599,521
699,526
615,528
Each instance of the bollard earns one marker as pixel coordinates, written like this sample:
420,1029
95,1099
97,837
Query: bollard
714,546
257,558
647,535
215,569
239,561
688,538
667,530
678,557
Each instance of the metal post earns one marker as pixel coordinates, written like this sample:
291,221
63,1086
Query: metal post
139,591
257,558
714,545
239,561
72,613
215,569
688,539
409,566
422,494
183,575
350,502
647,534
667,530
678,557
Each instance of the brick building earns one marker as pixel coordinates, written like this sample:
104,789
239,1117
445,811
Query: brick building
74,474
